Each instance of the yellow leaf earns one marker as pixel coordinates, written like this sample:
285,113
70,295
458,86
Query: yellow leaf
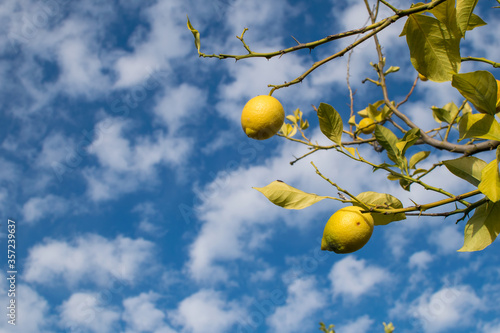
196,35
288,197
351,151
481,126
490,181
483,228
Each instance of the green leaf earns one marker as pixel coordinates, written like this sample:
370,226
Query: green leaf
330,122
483,227
434,47
490,180
468,168
481,126
405,184
418,171
447,14
409,140
475,21
445,114
479,88
464,13
288,197
394,177
304,124
196,35
418,157
392,69
389,141
382,200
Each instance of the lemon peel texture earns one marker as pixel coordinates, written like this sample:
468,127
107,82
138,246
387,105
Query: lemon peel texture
347,230
262,117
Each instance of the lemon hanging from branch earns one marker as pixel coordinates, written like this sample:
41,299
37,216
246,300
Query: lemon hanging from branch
262,117
347,230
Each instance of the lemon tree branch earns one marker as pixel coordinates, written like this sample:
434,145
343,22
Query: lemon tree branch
374,29
425,207
390,6
492,63
464,211
409,93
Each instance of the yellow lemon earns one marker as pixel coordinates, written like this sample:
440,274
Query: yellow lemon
347,230
366,126
262,117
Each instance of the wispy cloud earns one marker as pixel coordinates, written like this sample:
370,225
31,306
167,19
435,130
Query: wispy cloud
361,324
38,308
445,309
304,298
353,278
206,311
141,314
84,311
88,259
49,206
128,164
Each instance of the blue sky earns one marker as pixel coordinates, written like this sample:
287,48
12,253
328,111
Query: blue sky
126,170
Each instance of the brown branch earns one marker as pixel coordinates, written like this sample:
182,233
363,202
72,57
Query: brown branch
409,94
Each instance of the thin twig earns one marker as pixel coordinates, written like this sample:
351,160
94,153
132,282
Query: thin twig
390,6
409,94
492,63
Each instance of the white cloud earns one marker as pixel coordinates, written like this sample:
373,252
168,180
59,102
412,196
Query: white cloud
56,148
493,327
396,235
10,171
257,16
38,208
89,258
165,40
362,324
303,300
447,239
353,278
420,260
129,164
150,219
185,102
43,31
32,310
142,315
263,275
206,311
80,68
88,312
446,309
